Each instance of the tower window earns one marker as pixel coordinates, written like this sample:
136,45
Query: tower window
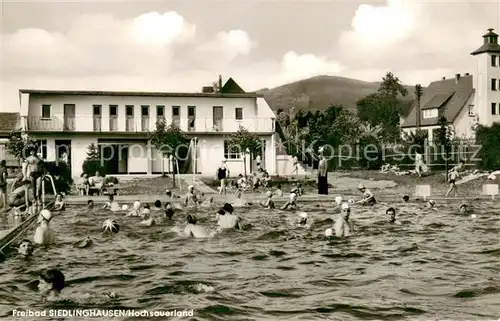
493,60
494,109
493,84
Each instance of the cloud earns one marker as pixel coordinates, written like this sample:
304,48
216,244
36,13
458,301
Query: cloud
295,66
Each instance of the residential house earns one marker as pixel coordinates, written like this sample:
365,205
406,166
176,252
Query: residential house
120,123
8,123
465,100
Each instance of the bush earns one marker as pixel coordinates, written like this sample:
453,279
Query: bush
92,163
61,173
489,154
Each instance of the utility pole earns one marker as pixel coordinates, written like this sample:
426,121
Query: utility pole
418,94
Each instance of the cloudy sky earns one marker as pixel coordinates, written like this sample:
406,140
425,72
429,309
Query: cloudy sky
180,46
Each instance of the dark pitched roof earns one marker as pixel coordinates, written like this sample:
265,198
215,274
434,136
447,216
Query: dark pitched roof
231,87
9,122
438,100
490,43
433,95
137,93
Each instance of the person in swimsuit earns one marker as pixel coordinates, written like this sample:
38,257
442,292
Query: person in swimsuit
222,175
368,198
452,178
34,172
3,183
19,198
51,284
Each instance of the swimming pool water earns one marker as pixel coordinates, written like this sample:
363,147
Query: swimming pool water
437,265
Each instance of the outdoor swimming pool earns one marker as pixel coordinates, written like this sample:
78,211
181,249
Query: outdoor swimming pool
441,265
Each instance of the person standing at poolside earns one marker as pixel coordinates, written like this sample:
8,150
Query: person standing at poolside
222,174
3,183
34,172
323,176
419,163
452,178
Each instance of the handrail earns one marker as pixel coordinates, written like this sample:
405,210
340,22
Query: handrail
43,187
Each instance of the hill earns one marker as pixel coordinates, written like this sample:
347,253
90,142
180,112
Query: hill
319,93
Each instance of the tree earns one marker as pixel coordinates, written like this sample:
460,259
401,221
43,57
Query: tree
444,139
92,163
168,140
19,143
384,107
246,142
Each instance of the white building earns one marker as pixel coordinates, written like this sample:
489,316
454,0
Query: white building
466,100
121,121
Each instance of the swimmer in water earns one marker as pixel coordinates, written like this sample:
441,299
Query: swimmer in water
90,204
169,211
301,220
391,212
25,248
368,198
148,220
135,211
111,204
278,192
463,209
170,194
193,230
59,204
19,198
431,204
226,219
343,226
406,198
51,284
205,201
338,200
292,203
268,203
43,233
190,198
157,205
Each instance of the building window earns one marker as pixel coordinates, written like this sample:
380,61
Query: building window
239,113
176,111
97,110
45,111
431,113
493,84
129,110
494,109
493,60
471,111
160,111
145,110
113,110
231,151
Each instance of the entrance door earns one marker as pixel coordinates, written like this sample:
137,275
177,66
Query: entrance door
191,118
123,159
218,114
69,117
63,152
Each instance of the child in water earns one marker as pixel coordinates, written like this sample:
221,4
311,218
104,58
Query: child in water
368,198
135,211
43,233
111,204
51,284
25,248
293,200
278,192
268,203
59,204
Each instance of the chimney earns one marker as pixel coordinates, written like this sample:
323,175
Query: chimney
457,78
467,74
444,78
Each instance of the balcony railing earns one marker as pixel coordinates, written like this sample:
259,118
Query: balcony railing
145,124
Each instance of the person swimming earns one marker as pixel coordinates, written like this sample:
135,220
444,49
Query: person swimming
431,204
51,283
148,220
368,198
169,211
406,198
110,226
135,211
90,204
25,248
301,221
190,198
111,204
226,219
59,204
170,194
43,233
463,208
391,212
268,203
157,205
343,227
338,200
278,192
193,230
19,198
292,203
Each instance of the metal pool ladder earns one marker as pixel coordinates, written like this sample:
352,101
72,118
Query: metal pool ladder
49,177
